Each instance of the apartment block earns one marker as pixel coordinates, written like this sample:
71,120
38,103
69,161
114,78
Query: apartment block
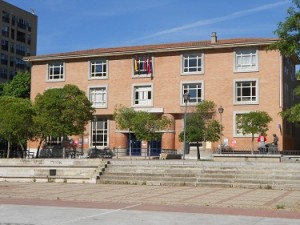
237,74
18,39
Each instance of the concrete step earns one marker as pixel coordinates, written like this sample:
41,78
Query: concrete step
250,175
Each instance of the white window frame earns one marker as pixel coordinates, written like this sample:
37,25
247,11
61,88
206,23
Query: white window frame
144,89
194,100
56,77
235,92
192,56
102,95
241,55
101,132
235,130
101,74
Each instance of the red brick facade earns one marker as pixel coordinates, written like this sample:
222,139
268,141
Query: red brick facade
219,80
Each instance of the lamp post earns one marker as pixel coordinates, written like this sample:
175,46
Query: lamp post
186,98
221,110
95,130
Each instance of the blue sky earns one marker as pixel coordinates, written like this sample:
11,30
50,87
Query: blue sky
70,25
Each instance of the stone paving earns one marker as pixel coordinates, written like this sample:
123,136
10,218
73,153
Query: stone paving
266,199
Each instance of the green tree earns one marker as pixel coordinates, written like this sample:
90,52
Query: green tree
289,32
19,87
148,127
254,123
61,112
16,121
124,118
289,45
200,125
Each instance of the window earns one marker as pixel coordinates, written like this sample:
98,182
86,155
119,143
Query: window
192,63
4,45
56,71
54,140
246,91
98,97
100,132
142,95
98,69
246,60
143,66
195,90
239,132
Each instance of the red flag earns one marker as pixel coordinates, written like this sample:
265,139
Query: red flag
149,65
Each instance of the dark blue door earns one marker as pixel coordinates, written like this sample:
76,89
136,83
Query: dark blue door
155,148
135,146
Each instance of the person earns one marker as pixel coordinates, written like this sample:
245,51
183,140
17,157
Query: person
261,142
275,140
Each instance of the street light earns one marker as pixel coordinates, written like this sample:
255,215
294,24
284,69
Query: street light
95,130
221,110
186,98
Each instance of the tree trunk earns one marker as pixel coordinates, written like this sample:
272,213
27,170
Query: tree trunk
8,146
38,149
198,151
22,147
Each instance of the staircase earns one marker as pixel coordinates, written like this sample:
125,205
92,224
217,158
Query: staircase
195,173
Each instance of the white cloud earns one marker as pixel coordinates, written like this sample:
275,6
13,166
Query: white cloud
212,20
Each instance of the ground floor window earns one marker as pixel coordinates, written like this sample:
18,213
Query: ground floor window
99,132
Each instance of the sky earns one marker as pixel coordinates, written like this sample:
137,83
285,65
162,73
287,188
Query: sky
71,25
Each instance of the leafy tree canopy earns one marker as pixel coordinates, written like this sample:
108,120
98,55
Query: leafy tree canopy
148,126
254,123
19,87
62,111
200,125
15,119
289,32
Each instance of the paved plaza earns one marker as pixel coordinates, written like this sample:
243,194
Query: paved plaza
61,203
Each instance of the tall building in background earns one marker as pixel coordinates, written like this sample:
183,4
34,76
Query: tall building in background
18,39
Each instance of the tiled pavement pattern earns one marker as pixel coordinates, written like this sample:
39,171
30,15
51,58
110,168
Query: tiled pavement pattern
278,200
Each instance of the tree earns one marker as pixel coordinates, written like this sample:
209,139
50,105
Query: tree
289,45
289,32
124,118
254,123
148,126
61,112
16,120
19,87
201,126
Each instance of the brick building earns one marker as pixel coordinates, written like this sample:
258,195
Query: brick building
237,74
18,39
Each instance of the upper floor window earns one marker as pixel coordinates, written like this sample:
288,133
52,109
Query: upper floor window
246,91
56,71
195,91
192,63
246,60
142,95
98,97
143,66
5,16
98,69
